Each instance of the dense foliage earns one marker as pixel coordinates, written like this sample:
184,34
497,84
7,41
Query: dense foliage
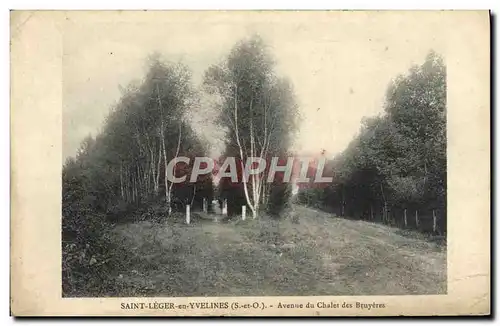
116,176
394,171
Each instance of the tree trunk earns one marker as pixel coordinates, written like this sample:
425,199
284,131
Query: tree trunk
136,186
152,172
126,185
121,181
264,192
157,180
164,147
150,177
167,193
406,221
434,221
173,172
132,187
386,213
224,207
245,184
416,218
194,194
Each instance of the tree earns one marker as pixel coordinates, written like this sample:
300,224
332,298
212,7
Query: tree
256,107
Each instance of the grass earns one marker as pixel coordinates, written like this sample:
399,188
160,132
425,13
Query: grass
319,255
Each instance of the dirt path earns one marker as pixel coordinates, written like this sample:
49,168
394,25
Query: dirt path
320,255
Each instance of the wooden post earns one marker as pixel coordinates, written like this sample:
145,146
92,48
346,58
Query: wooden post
188,214
416,218
224,207
406,220
205,206
243,212
434,221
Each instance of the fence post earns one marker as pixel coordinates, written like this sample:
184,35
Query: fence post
205,209
224,207
406,221
243,212
188,214
416,218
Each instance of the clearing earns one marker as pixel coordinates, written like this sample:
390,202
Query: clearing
319,255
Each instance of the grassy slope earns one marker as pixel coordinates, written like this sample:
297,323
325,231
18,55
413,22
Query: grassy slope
321,255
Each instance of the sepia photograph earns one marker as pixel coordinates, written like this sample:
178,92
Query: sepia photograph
264,154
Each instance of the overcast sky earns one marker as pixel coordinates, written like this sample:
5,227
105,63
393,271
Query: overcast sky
340,63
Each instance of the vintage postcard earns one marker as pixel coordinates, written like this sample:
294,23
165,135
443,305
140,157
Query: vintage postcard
250,163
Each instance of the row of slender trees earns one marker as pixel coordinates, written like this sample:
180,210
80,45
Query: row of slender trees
126,163
394,171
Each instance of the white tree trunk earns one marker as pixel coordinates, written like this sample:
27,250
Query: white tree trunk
167,192
254,201
168,189
224,207
157,179
153,171
164,148
176,154
434,221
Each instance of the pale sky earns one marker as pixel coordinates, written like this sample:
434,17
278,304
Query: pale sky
340,64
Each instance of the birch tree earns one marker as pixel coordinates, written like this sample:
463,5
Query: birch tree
256,107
